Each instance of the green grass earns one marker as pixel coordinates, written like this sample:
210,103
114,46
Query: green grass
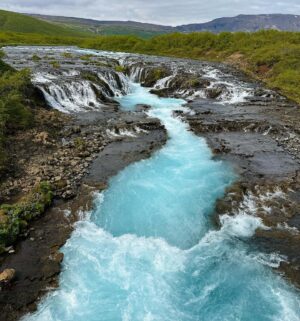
15,22
121,30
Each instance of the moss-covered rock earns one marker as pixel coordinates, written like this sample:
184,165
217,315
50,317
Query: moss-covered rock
213,93
120,68
155,74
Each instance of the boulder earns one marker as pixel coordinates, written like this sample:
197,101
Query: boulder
214,92
7,275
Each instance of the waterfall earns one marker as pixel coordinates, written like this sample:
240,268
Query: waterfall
137,73
118,83
70,92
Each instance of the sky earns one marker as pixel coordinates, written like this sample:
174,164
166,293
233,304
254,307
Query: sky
166,12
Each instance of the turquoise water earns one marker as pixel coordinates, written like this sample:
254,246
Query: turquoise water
149,251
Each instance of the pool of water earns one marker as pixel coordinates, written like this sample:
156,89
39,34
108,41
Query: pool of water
149,250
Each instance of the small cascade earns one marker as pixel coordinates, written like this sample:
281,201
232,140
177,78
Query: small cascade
69,91
164,82
137,73
71,97
233,92
117,83
125,132
222,88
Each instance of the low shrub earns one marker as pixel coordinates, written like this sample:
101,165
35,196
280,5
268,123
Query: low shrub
15,218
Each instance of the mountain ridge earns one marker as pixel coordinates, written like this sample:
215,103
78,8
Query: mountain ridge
251,23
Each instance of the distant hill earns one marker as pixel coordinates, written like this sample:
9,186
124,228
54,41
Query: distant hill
16,22
144,30
251,23
70,26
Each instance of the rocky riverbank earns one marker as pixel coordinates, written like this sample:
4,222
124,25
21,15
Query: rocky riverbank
77,156
81,171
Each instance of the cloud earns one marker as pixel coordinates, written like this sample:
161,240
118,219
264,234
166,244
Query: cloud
167,12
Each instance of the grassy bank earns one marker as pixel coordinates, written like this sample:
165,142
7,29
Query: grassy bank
271,56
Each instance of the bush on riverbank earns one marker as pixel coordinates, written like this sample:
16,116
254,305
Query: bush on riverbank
14,218
14,114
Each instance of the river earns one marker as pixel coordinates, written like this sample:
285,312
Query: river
150,249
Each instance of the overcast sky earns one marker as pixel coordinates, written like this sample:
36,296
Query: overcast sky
167,12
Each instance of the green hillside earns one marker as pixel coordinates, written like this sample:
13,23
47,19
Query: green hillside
107,28
16,22
119,30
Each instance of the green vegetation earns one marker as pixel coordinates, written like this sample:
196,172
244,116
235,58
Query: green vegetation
16,22
271,56
86,57
36,58
67,55
14,218
55,64
120,68
14,114
122,30
79,143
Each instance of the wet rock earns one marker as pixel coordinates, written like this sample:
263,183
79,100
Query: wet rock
154,74
142,108
57,257
214,92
